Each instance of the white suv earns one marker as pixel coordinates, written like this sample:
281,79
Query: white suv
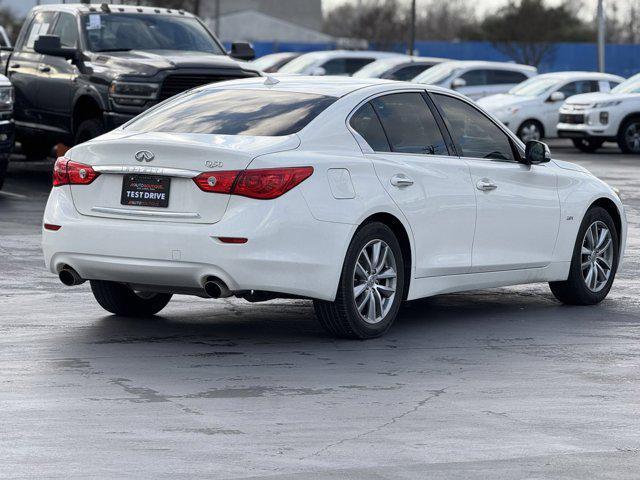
594,118
531,108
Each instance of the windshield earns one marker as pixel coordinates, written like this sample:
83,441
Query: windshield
110,32
300,64
376,69
534,87
630,85
234,112
435,74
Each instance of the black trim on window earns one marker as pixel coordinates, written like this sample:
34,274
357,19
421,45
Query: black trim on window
444,131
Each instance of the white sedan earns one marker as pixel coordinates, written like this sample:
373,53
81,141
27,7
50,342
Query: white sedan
532,109
358,194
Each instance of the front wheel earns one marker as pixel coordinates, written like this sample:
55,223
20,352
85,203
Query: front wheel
371,286
587,145
119,299
530,130
629,136
594,262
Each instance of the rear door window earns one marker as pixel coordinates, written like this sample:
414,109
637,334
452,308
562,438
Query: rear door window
345,66
580,86
234,112
409,124
366,123
475,78
407,73
504,77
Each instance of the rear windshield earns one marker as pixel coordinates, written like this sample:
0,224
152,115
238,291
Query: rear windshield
234,112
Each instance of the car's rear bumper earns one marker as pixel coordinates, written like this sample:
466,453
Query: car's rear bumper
288,251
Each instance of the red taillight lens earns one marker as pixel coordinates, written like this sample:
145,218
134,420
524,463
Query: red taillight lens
68,172
263,184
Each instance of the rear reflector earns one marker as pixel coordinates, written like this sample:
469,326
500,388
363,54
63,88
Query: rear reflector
263,184
232,239
51,226
68,172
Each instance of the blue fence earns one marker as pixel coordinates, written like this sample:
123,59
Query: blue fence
620,59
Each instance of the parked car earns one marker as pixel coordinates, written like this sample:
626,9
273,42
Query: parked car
81,70
274,61
333,62
531,109
477,79
233,189
6,125
594,118
402,68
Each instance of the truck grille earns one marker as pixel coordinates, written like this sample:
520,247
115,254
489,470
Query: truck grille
571,118
178,83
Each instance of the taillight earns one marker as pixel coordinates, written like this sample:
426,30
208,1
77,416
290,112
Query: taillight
263,184
68,172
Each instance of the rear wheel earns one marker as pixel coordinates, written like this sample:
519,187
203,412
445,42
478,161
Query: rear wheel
594,262
629,136
89,129
588,145
371,286
121,300
530,130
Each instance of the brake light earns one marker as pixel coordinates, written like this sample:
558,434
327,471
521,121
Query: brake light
68,172
262,184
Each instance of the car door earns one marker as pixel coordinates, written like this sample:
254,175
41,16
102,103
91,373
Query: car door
475,83
24,70
55,94
431,188
518,209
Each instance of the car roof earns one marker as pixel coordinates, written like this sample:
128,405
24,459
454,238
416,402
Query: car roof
329,54
488,64
112,8
401,59
577,75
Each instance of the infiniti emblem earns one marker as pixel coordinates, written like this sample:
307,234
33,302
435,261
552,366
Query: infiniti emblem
144,156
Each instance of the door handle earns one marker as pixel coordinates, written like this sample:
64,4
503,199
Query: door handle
401,180
485,185
44,69
14,65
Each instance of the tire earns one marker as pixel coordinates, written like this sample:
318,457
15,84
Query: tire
587,145
121,300
574,290
4,165
629,136
341,317
89,129
530,130
35,149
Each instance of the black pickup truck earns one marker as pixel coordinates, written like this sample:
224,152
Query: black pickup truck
81,70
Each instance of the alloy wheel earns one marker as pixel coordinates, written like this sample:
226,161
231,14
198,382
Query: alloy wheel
374,281
632,137
530,131
597,256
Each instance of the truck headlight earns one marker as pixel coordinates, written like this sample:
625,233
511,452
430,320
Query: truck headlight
6,98
133,93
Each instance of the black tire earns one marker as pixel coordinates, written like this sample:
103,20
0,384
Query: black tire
587,145
35,149
341,318
89,129
527,128
629,136
4,165
121,300
574,290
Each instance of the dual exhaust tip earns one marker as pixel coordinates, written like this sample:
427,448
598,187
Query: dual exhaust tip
70,277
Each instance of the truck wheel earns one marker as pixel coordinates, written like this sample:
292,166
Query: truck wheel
4,164
35,149
121,300
588,145
629,136
371,286
89,129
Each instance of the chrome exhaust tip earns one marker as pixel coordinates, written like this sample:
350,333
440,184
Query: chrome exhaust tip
215,288
69,277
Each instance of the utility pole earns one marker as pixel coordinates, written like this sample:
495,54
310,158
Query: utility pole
412,29
602,28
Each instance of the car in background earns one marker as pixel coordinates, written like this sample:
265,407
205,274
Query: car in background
274,61
531,109
333,62
402,68
6,125
477,79
594,118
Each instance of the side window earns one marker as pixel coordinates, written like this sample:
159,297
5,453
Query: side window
352,65
67,29
473,132
475,77
502,77
613,85
39,26
407,73
409,124
366,123
335,66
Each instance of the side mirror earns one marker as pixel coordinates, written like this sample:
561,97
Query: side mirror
536,152
458,83
556,97
318,72
242,51
50,45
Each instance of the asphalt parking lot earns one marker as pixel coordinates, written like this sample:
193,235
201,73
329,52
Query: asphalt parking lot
503,383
